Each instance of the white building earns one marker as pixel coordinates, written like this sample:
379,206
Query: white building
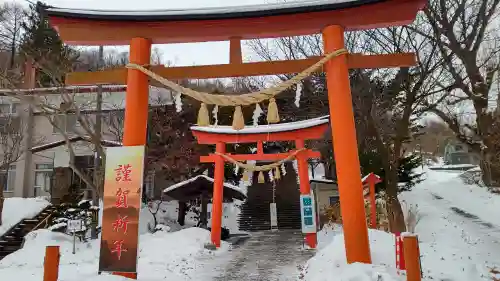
43,146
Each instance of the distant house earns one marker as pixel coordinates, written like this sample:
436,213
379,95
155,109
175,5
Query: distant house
457,153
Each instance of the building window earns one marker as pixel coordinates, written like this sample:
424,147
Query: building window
8,178
8,108
64,122
333,200
43,176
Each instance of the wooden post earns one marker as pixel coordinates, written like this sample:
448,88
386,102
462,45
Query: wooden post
235,54
305,187
373,206
412,258
136,104
51,263
372,180
346,151
217,196
137,97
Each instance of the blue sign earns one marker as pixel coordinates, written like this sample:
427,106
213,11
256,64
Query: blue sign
308,214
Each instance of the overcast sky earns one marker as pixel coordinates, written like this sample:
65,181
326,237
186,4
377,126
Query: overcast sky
179,54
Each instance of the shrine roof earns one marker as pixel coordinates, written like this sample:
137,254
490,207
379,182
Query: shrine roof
194,187
108,27
210,13
264,129
46,146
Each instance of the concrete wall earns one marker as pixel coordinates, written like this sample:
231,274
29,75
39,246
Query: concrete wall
323,193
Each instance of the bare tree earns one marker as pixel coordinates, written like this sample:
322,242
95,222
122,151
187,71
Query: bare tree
11,17
11,148
466,34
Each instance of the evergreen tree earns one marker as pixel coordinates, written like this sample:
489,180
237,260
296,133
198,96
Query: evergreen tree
371,162
42,44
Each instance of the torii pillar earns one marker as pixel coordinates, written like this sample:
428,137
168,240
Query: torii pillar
352,207
136,103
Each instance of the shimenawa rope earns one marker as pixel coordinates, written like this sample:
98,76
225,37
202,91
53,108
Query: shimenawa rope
238,100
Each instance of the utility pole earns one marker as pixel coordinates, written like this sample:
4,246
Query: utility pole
97,132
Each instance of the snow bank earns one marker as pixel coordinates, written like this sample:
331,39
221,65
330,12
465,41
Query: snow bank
454,247
469,197
330,261
162,256
16,209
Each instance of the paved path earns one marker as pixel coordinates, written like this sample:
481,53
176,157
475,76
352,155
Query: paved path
266,256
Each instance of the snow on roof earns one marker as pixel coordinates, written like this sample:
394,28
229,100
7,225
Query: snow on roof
182,183
54,144
269,9
272,128
366,177
323,181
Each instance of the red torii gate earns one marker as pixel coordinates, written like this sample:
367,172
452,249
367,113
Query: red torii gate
222,135
141,29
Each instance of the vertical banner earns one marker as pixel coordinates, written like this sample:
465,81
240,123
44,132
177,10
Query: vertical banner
122,204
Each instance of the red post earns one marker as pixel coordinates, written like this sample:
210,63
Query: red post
357,245
51,263
400,257
373,206
218,195
137,97
412,258
372,180
305,187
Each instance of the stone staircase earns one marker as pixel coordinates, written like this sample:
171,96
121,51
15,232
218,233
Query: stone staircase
13,239
255,212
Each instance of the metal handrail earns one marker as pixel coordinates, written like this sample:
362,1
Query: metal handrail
40,223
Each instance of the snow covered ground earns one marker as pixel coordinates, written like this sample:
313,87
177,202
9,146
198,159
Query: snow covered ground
163,256
16,209
459,237
330,261
458,231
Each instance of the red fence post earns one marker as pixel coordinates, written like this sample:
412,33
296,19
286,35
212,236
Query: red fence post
400,258
412,256
51,263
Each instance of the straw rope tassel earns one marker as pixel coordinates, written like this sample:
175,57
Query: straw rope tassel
261,177
272,112
203,118
238,120
277,173
246,176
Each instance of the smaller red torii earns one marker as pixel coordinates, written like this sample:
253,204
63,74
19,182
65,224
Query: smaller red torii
293,131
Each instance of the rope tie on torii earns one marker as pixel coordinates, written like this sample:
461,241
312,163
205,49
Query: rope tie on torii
238,101
264,168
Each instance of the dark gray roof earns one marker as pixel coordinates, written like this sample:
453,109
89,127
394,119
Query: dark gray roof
215,13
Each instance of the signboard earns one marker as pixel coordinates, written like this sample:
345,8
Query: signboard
307,213
122,203
74,225
274,215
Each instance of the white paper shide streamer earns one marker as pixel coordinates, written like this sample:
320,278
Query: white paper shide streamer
271,176
283,169
296,168
256,114
298,94
215,112
178,102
